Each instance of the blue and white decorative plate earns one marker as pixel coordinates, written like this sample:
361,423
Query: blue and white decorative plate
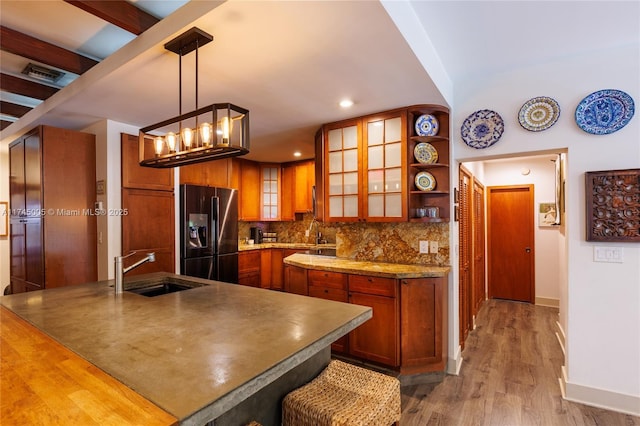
539,114
427,125
482,129
604,111
425,181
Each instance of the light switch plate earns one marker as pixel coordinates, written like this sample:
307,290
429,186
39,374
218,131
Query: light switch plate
433,247
608,254
424,247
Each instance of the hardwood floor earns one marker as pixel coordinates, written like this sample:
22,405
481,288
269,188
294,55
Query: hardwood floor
509,377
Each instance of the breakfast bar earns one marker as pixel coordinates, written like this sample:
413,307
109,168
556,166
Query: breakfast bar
199,353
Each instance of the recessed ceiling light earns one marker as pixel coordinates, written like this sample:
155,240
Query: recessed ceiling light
297,154
346,103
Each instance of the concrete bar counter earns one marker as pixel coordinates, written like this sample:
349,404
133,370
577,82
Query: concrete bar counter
196,353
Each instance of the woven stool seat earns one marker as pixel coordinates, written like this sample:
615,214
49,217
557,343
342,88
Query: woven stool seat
344,394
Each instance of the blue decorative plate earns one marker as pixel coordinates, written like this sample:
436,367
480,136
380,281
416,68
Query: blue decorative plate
482,129
427,125
539,114
604,111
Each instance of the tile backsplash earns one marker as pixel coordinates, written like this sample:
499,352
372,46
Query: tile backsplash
378,242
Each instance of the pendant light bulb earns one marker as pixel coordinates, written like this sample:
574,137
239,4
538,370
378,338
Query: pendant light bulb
205,133
187,137
225,130
171,141
159,145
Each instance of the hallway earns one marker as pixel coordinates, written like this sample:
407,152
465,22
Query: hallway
509,377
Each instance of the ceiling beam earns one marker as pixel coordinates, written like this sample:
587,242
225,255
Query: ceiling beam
41,51
118,12
13,110
4,124
19,86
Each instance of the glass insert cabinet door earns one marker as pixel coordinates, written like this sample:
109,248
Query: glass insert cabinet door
270,192
343,174
385,150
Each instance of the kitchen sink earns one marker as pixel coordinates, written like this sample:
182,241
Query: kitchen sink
322,251
162,286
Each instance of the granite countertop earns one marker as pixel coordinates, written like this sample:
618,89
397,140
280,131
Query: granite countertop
378,269
301,246
194,353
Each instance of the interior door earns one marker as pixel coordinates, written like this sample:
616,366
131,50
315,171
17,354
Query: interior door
510,230
466,225
478,292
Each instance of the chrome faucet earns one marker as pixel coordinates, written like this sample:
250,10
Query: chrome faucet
319,239
121,270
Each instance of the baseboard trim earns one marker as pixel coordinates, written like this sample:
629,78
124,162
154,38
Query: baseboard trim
601,398
561,338
547,301
454,364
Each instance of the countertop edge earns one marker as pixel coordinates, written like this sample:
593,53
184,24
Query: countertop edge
332,264
233,398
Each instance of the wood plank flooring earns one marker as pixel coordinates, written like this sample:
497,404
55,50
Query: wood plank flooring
509,377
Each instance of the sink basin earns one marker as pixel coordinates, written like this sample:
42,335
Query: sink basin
158,287
322,251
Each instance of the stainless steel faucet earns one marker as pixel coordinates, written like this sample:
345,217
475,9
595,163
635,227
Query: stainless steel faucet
120,270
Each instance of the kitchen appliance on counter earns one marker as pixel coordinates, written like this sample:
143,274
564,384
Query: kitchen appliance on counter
256,235
209,232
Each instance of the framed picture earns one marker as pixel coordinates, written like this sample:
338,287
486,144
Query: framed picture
4,218
547,214
612,205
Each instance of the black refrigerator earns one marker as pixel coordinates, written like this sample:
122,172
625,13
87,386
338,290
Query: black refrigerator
209,232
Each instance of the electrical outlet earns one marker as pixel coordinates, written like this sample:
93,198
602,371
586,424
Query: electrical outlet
433,246
306,233
424,247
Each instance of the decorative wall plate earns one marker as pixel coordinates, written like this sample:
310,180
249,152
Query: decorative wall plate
482,129
425,153
539,114
604,111
427,125
425,181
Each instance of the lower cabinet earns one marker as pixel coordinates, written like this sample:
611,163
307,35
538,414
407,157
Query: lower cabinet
249,268
408,329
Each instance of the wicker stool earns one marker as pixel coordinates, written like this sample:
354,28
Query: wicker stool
344,394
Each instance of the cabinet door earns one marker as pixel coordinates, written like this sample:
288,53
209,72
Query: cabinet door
136,176
249,193
33,171
377,339
277,269
384,156
304,178
17,187
288,193
423,338
270,191
329,293
249,268
210,173
265,267
342,171
295,280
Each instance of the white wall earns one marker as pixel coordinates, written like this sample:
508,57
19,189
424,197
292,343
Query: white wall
602,300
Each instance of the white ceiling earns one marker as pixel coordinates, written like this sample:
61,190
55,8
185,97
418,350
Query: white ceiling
290,62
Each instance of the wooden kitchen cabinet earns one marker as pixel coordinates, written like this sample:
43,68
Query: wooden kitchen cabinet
295,280
136,176
249,268
53,233
304,181
439,196
288,186
330,286
249,192
215,173
365,168
377,339
424,324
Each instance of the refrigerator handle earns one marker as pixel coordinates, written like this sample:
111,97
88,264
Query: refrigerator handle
215,225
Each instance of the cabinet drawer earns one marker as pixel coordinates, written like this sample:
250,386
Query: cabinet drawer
328,293
328,279
372,285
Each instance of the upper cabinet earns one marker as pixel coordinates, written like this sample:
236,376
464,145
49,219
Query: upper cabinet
369,168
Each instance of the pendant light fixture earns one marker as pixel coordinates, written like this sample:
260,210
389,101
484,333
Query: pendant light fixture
209,133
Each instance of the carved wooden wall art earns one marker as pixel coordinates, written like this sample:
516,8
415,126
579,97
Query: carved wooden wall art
613,205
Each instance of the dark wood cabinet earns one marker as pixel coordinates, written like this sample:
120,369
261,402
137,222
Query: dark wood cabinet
330,286
377,339
249,271
210,173
53,231
295,280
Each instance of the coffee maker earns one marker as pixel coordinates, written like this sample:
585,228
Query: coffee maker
256,235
